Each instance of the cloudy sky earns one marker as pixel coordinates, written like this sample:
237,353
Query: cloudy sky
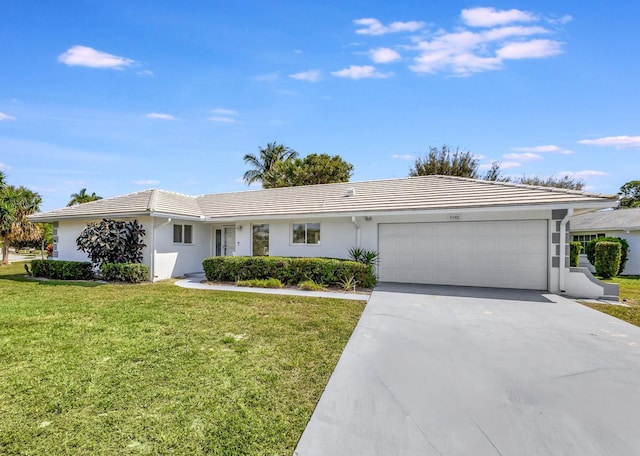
122,96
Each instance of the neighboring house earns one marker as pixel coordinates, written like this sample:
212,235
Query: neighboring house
429,229
622,223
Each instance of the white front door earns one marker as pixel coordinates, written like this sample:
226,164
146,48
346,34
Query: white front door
229,244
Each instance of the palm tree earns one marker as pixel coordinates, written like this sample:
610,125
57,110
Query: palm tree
268,157
16,203
83,197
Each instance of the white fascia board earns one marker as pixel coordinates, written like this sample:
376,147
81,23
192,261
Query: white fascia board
531,207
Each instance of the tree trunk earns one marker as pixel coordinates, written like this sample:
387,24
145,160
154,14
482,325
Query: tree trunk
5,251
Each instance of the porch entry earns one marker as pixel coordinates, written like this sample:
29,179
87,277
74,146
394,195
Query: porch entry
226,241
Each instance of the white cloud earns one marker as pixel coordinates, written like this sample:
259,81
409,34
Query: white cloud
89,57
489,17
404,157
533,49
375,27
221,119
224,112
310,76
191,182
145,73
619,142
525,156
384,55
146,182
4,116
510,164
361,72
581,174
157,115
3,166
298,51
544,149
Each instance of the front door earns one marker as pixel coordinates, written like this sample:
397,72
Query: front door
229,246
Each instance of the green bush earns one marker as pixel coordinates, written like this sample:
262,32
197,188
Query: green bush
288,270
62,270
590,250
608,259
310,285
574,254
260,283
125,272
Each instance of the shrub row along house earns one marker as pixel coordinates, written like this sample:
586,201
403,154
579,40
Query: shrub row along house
428,229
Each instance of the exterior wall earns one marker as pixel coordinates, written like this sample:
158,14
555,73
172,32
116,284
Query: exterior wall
68,231
632,237
177,259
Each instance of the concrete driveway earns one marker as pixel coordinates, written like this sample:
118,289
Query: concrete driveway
433,370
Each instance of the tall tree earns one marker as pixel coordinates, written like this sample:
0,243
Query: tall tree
447,162
630,194
265,161
83,197
16,203
310,170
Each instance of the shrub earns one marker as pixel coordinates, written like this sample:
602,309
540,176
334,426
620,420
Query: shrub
112,241
62,270
290,271
574,254
260,283
125,272
608,258
310,285
590,250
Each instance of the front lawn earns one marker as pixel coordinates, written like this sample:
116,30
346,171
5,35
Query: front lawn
157,369
630,295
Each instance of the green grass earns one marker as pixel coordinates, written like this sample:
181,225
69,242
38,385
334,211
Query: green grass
158,369
630,295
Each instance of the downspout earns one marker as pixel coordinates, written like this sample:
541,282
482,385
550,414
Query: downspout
355,222
153,256
563,250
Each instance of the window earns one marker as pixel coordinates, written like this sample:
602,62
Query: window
183,234
305,233
584,238
260,240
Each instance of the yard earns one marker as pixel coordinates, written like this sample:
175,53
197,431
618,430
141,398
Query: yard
630,295
157,369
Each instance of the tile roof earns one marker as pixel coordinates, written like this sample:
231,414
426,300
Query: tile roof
621,219
403,194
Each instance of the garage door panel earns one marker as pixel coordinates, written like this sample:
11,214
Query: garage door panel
508,254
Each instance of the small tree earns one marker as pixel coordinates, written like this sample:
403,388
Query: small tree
607,259
566,181
445,161
574,253
112,241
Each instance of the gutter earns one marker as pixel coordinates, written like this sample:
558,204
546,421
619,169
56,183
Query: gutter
563,251
355,222
153,253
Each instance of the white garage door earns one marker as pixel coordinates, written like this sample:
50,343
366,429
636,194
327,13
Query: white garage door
506,254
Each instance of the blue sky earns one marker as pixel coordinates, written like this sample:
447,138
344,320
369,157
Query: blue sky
121,96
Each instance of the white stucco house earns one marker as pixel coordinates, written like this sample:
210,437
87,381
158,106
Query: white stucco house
622,223
430,229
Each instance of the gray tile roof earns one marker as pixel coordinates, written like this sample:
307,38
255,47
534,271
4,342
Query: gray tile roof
621,219
404,194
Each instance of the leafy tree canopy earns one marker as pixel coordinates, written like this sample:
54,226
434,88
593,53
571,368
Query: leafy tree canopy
16,203
566,181
310,170
630,194
265,161
83,197
112,241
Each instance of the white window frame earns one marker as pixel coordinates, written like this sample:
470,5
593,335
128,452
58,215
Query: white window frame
306,228
183,231
583,238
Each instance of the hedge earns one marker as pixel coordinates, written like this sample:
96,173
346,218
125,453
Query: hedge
574,253
590,250
125,272
62,270
607,259
288,270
